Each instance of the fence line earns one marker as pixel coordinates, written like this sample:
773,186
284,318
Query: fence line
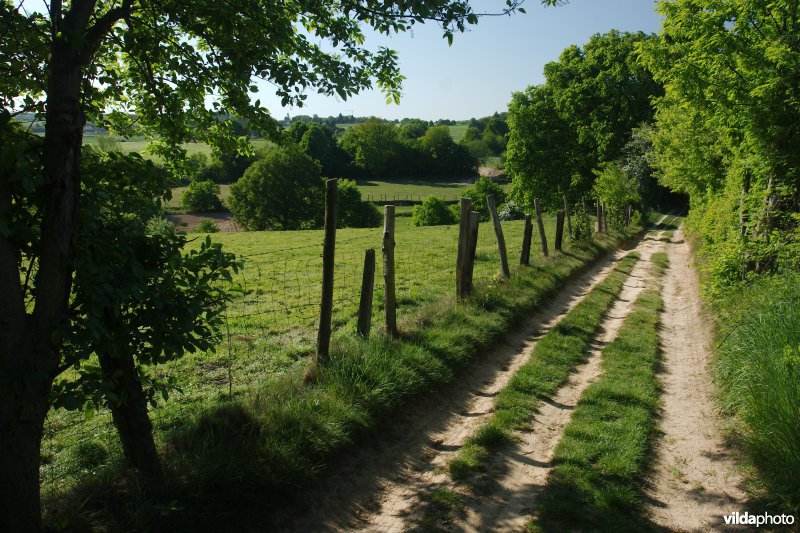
270,325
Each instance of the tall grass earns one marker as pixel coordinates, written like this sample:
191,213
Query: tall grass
758,368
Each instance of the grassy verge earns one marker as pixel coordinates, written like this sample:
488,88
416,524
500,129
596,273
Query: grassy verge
603,453
240,461
553,358
757,367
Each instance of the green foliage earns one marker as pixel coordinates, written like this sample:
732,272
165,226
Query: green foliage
319,142
282,191
582,228
433,211
352,211
758,366
374,147
201,196
108,143
483,187
207,226
593,97
510,211
616,189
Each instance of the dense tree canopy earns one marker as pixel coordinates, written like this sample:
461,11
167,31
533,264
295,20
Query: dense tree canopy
581,117
728,128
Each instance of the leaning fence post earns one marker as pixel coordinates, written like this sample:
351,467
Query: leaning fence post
367,285
328,249
463,246
390,301
472,245
569,218
525,256
559,229
539,222
498,231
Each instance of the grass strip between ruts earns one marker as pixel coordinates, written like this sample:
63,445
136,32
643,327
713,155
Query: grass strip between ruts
553,359
594,484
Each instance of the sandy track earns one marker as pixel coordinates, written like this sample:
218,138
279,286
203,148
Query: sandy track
694,481
378,488
519,472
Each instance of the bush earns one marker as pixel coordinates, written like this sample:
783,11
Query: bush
511,211
283,191
353,212
432,212
201,196
207,226
480,190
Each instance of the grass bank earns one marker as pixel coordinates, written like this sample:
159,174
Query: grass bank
757,368
594,485
553,358
233,464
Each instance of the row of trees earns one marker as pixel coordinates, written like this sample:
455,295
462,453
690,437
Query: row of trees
584,117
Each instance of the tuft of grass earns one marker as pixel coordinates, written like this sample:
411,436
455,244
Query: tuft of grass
553,358
246,460
757,367
604,451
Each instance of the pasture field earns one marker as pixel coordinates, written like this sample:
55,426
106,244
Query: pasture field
271,323
139,145
458,131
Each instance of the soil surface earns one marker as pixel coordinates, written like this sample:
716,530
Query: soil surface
695,481
190,221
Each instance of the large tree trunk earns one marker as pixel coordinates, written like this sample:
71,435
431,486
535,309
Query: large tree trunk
130,416
29,344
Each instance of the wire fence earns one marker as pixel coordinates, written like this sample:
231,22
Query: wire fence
270,326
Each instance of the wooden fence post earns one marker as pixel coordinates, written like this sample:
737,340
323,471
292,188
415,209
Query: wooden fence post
525,256
559,229
498,231
389,298
472,245
539,222
328,251
569,218
605,218
367,286
463,246
599,217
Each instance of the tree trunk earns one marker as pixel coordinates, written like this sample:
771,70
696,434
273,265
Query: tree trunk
130,416
30,345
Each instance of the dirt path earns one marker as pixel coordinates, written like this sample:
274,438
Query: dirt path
694,482
378,488
505,501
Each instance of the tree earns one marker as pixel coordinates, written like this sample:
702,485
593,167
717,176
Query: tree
283,191
448,158
352,211
144,68
581,117
615,189
483,187
728,128
201,196
374,147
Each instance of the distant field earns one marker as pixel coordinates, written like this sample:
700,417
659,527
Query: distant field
458,131
139,145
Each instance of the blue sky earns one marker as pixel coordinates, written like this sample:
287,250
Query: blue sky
476,76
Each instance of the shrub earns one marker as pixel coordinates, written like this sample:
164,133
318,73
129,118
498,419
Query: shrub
432,212
283,191
207,226
511,211
353,212
201,196
483,187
